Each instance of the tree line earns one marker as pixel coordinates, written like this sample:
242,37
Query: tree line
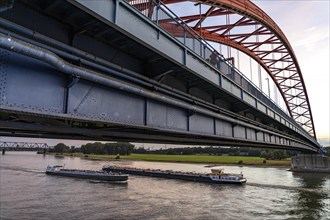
121,148
230,151
125,148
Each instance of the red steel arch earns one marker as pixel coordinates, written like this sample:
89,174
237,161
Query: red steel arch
254,33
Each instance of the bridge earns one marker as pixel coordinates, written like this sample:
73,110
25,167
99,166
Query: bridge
7,145
118,70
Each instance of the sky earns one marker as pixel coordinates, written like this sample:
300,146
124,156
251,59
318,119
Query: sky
306,25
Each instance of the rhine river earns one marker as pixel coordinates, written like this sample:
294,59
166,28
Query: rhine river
270,193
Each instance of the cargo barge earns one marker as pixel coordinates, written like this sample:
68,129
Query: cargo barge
216,175
87,174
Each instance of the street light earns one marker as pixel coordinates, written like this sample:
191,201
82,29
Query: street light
200,17
200,26
268,87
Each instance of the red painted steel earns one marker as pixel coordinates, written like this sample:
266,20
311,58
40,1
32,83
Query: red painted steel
273,52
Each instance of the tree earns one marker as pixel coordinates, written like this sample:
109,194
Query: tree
188,151
264,154
122,148
140,150
60,148
327,150
274,155
280,154
125,148
254,152
72,149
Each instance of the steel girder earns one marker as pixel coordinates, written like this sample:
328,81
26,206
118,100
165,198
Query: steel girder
76,105
254,33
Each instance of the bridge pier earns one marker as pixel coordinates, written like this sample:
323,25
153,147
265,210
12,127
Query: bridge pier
42,151
3,151
310,163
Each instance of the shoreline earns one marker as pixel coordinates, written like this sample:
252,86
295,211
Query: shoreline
209,161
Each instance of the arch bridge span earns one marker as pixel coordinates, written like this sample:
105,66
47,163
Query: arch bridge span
254,33
105,71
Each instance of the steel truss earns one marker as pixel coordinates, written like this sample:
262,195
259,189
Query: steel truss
9,144
254,33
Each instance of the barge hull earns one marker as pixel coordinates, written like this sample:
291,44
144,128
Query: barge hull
168,175
93,177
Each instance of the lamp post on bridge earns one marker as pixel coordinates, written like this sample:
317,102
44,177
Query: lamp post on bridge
268,86
200,25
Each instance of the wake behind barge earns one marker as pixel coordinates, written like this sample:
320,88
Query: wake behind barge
216,176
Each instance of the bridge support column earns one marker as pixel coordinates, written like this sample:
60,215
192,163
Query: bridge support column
310,163
3,151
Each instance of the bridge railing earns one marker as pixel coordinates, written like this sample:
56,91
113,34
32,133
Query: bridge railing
159,13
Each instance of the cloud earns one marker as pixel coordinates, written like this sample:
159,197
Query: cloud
311,37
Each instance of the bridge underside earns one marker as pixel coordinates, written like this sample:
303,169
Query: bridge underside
86,78
108,132
84,130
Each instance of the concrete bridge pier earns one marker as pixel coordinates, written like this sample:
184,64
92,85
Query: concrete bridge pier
3,151
310,163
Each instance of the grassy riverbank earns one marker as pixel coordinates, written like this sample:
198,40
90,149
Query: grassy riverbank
207,159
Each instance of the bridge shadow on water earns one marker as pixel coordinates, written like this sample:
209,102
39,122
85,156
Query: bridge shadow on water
314,202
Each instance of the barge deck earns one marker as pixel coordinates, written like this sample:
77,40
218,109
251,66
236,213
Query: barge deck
87,174
216,176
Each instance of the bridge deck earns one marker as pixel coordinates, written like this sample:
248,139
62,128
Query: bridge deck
98,75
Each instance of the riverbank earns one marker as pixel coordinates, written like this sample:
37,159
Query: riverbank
205,159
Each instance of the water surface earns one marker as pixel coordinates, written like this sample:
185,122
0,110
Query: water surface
271,193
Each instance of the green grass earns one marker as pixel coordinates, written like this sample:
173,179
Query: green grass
207,159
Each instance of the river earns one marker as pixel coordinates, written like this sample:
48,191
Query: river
270,193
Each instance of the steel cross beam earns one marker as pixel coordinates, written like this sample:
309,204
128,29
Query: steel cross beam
280,63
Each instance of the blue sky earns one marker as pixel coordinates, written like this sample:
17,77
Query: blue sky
306,25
